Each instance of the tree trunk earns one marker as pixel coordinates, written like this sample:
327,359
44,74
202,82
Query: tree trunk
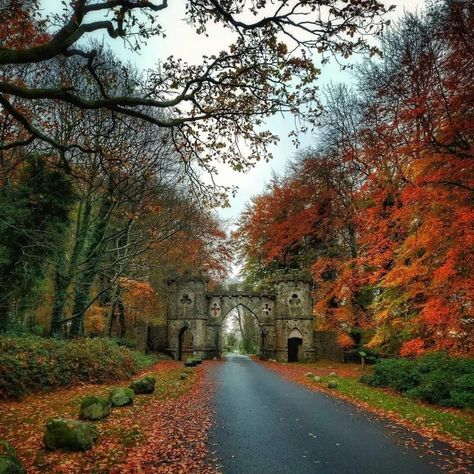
65,271
121,309
352,239
93,255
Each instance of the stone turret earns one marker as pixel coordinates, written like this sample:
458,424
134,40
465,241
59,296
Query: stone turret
294,323
187,310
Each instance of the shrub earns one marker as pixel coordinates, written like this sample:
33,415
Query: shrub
399,374
29,364
434,377
462,392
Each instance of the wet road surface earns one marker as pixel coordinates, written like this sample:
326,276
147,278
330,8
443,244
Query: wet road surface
265,424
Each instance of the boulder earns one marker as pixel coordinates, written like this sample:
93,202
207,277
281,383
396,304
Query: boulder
94,408
183,376
144,385
70,435
309,375
121,396
9,462
332,384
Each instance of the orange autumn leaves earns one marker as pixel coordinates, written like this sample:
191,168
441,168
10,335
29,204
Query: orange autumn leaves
161,433
18,29
381,212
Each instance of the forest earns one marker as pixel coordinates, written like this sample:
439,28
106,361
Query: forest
346,280
95,217
379,211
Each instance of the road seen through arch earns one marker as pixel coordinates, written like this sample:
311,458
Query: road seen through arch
265,424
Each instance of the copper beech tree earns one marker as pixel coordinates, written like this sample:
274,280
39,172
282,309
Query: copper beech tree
208,107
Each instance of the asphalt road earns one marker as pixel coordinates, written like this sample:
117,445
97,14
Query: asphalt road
265,424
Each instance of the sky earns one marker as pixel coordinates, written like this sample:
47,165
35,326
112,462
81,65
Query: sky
181,41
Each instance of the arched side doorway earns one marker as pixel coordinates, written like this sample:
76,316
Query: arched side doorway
295,341
185,343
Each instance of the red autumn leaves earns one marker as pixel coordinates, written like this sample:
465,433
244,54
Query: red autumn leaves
380,211
163,433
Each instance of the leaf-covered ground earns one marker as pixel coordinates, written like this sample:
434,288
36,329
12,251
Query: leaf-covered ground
164,432
453,426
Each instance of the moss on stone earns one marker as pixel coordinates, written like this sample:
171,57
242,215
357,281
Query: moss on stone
121,396
94,408
9,462
70,435
144,385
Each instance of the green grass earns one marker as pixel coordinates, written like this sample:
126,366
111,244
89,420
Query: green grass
458,424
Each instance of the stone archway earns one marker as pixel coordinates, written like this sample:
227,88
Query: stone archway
287,307
223,302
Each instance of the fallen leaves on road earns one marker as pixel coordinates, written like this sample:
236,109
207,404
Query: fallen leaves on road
165,432
456,459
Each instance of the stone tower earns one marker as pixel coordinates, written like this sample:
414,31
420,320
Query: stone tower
294,322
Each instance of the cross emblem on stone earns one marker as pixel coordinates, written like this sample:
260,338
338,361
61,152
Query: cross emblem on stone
266,309
186,300
215,310
294,301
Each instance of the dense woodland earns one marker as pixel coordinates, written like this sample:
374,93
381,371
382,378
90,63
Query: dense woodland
88,237
107,171
380,210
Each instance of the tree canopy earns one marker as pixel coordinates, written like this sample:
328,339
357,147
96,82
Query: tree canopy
380,210
209,108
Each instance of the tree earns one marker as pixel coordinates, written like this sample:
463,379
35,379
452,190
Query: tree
381,211
34,212
209,108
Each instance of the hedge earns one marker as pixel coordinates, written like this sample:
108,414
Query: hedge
29,364
435,377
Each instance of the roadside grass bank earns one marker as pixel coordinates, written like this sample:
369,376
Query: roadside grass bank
161,432
451,425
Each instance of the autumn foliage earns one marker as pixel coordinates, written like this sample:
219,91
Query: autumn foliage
380,211
164,432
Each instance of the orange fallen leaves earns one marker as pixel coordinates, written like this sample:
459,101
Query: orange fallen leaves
160,433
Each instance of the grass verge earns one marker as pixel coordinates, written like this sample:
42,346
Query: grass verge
127,429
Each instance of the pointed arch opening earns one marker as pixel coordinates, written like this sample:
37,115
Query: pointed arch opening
295,341
185,343
241,331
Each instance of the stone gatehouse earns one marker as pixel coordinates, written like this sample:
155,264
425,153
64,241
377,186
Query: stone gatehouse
195,317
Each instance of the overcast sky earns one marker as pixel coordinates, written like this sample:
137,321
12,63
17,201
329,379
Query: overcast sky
181,41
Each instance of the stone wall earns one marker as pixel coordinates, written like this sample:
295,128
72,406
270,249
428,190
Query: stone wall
157,338
140,336
326,347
